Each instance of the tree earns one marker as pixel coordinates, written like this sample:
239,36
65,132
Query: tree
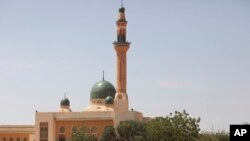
83,134
132,131
175,127
108,134
218,136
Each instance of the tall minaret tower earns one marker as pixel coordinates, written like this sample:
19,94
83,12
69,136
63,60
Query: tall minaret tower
121,47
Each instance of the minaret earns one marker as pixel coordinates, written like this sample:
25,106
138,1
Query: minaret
121,47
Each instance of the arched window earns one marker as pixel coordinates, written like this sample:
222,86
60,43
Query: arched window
18,139
25,139
11,139
62,130
74,129
93,130
4,139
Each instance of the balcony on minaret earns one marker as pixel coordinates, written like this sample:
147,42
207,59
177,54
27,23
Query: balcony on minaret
121,25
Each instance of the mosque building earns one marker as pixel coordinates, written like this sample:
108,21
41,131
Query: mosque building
108,105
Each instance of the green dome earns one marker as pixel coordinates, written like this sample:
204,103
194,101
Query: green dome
109,100
65,102
102,89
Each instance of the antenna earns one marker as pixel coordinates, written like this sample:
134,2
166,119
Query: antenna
121,3
102,74
64,95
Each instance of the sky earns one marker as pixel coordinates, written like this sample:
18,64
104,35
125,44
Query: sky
184,54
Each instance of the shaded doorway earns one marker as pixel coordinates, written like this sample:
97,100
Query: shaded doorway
62,138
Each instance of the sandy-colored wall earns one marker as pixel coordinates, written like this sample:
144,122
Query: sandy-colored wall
14,136
68,125
17,132
130,115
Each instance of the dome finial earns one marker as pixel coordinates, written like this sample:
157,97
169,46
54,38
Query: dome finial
102,74
64,95
121,3
122,9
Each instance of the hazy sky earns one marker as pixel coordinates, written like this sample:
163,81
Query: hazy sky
185,54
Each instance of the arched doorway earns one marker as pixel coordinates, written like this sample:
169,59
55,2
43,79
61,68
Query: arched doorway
62,138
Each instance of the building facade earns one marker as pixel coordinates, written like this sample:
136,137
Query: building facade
17,133
108,105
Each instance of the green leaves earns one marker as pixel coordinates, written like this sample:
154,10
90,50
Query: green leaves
175,127
108,134
132,131
214,136
83,134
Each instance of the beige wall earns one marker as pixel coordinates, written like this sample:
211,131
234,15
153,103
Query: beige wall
17,132
55,120
44,117
68,125
129,115
14,136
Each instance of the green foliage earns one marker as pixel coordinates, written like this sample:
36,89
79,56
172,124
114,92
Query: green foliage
83,134
108,134
175,127
132,131
219,136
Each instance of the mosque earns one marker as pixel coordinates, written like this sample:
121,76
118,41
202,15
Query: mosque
108,105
